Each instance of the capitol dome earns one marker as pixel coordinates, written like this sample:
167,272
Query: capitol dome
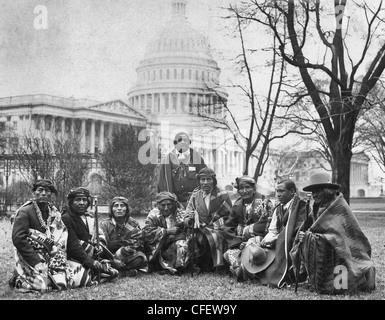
177,80
178,71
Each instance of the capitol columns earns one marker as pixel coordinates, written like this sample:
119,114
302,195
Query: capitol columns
29,124
73,127
178,102
63,126
92,137
240,161
42,122
196,105
211,108
187,102
83,136
52,124
101,136
162,102
110,129
150,103
169,104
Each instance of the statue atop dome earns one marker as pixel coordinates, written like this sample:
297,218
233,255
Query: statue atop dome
179,8
179,36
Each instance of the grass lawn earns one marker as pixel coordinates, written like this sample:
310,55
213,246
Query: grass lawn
201,287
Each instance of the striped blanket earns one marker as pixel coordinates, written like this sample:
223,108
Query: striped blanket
208,224
336,252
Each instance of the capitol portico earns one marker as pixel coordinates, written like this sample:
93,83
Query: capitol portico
91,121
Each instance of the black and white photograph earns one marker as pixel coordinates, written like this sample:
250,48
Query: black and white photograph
192,155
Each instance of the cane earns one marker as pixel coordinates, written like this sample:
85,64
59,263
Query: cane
193,248
96,222
298,266
195,225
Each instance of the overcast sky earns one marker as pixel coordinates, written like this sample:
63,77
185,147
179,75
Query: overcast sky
90,48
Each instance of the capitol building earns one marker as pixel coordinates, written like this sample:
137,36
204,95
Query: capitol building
177,78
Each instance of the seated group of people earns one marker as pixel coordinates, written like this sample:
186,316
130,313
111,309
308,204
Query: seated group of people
252,239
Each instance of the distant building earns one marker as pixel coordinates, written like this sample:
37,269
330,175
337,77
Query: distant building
299,166
91,121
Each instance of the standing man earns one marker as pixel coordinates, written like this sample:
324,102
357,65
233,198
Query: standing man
178,169
40,240
82,249
206,212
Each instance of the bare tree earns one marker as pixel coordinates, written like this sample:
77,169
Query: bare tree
71,166
371,129
34,155
255,132
51,155
350,65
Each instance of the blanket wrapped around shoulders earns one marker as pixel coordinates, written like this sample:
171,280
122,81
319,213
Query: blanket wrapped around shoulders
209,222
336,252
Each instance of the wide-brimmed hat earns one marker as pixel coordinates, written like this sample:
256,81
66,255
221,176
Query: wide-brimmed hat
255,258
321,180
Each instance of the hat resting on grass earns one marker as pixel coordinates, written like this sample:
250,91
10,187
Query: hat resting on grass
255,258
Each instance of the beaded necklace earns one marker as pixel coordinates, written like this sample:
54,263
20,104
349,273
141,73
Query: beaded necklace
43,224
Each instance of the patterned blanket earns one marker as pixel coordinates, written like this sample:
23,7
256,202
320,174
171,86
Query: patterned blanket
169,251
208,222
336,253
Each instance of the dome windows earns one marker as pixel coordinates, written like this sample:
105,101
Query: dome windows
152,74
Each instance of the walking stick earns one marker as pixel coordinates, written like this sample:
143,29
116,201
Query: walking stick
195,225
298,266
193,248
96,222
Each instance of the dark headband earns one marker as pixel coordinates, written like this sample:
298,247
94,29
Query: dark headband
45,183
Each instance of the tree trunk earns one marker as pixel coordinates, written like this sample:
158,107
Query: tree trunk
247,161
342,155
